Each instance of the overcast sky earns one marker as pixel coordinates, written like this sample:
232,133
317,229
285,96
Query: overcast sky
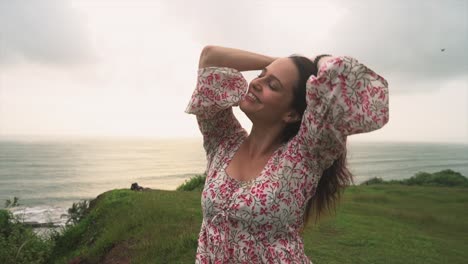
128,68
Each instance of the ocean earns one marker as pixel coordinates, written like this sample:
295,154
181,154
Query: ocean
49,175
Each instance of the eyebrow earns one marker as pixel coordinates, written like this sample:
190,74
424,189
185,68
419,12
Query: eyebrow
273,76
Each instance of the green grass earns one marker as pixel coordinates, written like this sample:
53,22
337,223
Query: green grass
393,224
147,227
386,223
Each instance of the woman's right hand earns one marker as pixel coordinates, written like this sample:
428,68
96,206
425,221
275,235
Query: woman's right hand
241,60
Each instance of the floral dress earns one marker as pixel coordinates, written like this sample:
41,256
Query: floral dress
259,221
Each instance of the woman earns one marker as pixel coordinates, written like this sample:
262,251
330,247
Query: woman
260,187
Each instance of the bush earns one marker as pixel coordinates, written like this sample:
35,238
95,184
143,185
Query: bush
447,178
9,203
374,180
195,183
77,212
420,178
19,244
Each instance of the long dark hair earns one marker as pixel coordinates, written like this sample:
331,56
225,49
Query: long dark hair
335,178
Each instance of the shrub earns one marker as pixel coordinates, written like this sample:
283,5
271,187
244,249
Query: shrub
77,212
420,178
18,242
374,180
447,178
195,183
9,203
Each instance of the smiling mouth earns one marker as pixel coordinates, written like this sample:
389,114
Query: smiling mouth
252,97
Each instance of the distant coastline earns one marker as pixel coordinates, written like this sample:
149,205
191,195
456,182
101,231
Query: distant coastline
48,137
49,177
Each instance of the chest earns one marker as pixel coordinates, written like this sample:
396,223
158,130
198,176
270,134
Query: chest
250,207
243,168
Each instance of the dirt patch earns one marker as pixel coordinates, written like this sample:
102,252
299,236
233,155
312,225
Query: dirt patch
119,253
78,260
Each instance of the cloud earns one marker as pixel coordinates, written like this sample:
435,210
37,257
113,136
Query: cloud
46,32
400,39
405,38
277,28
213,21
148,50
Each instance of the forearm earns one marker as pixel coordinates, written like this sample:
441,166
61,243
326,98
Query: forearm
241,60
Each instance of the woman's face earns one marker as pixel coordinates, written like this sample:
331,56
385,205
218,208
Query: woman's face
270,95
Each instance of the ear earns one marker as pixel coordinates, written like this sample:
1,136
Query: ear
291,117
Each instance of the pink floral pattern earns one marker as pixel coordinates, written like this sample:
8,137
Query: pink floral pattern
259,221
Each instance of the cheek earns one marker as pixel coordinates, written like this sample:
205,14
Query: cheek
279,102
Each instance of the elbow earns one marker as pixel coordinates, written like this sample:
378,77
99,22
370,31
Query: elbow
205,56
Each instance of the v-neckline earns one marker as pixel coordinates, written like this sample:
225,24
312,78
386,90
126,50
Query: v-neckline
259,176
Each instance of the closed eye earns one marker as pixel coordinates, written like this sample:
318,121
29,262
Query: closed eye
272,86
271,83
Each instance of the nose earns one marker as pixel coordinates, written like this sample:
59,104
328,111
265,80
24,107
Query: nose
257,86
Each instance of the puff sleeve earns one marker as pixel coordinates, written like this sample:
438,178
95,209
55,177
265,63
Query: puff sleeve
345,98
217,90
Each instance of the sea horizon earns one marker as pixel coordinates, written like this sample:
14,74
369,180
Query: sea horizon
59,137
50,174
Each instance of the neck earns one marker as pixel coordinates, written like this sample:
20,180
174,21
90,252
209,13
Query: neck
263,140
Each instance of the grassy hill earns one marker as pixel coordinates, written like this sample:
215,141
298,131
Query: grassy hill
375,223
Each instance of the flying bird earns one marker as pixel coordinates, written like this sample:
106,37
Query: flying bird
442,50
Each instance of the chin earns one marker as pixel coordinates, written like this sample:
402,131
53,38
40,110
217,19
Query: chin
248,111
245,107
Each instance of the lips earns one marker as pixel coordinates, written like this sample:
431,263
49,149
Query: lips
252,97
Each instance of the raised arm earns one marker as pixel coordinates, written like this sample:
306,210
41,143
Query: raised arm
220,86
345,98
241,60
